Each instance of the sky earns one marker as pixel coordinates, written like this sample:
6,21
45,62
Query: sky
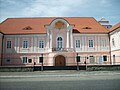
108,9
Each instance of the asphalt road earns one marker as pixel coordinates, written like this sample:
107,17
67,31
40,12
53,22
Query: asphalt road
60,81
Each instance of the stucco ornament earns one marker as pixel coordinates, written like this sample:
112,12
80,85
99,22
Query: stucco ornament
59,25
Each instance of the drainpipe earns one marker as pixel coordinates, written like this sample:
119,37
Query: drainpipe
109,47
2,49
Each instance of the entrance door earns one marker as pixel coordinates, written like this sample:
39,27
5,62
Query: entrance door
60,60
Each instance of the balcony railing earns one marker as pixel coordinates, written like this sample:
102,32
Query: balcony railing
62,49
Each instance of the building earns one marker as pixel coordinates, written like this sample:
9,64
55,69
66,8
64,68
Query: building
115,43
56,41
105,23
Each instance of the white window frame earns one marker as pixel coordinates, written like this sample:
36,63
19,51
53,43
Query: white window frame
100,59
41,44
8,44
25,61
57,45
104,42
113,42
93,57
77,43
90,43
25,44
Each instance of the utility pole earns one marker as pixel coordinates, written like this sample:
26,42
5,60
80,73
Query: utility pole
78,60
41,61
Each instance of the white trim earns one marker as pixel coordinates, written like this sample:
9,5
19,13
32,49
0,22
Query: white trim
62,40
42,41
27,59
59,19
26,43
67,44
91,38
8,39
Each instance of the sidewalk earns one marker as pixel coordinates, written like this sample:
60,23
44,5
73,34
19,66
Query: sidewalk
57,73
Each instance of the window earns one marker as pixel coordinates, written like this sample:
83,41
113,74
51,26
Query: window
59,42
25,44
41,44
104,58
92,59
40,59
104,43
100,59
25,59
113,42
29,60
9,44
90,43
8,60
77,43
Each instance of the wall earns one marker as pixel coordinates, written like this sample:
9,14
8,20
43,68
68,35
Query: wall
98,50
16,53
115,49
33,52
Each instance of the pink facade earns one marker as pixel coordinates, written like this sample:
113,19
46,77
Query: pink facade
59,46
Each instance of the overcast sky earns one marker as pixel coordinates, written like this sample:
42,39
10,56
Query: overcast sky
109,9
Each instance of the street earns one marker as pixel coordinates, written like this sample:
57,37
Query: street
60,80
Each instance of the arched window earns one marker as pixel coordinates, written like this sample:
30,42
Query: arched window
59,42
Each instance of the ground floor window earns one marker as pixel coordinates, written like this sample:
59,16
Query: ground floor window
29,60
92,59
40,59
25,59
100,59
104,58
8,60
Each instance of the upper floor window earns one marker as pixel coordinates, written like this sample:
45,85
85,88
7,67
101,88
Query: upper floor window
41,44
9,44
77,43
25,44
113,42
59,42
90,43
104,43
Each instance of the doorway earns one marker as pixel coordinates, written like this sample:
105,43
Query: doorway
60,60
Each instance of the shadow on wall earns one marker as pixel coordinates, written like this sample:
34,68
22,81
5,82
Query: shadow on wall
75,31
11,57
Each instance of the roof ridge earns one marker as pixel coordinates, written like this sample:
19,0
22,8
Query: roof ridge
45,17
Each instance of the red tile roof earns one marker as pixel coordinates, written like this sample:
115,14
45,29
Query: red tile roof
115,27
36,25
